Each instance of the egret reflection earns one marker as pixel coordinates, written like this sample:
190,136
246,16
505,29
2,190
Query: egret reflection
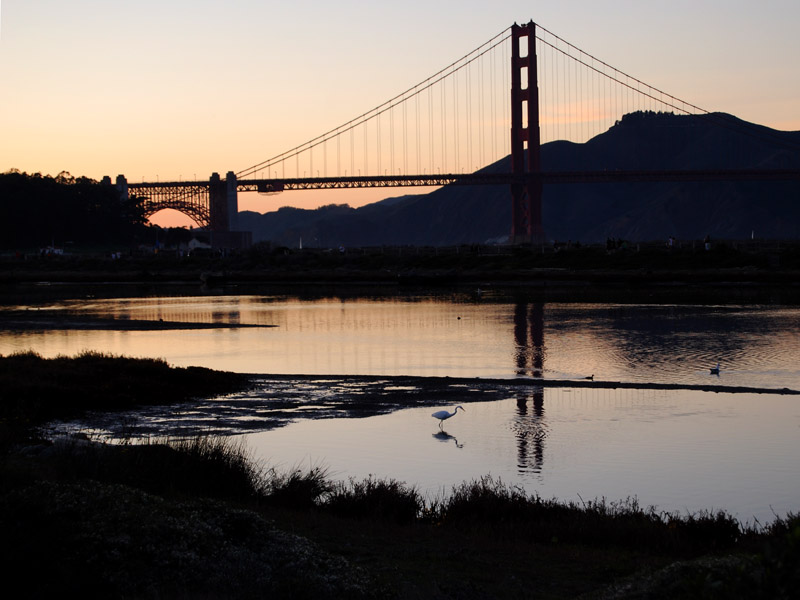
443,436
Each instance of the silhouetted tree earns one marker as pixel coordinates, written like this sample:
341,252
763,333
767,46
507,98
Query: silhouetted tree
37,210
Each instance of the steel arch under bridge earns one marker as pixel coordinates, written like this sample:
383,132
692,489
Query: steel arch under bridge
212,204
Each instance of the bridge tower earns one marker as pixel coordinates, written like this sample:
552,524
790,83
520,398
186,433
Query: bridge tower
223,203
526,194
122,186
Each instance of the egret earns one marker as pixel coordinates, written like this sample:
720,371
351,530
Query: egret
443,414
715,370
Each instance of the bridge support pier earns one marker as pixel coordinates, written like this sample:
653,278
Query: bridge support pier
526,193
122,187
223,202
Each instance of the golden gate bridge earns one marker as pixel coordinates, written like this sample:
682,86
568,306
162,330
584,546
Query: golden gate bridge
521,89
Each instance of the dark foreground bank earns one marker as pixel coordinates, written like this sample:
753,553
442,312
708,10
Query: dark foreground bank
34,390
199,518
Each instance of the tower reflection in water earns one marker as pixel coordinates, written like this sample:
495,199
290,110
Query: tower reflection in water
529,426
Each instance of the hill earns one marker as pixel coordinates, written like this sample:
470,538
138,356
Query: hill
585,212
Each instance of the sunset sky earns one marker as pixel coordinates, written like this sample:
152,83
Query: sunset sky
178,89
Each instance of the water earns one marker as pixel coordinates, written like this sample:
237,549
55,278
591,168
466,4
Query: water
461,336
679,450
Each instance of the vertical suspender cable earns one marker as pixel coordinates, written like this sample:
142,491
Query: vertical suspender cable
430,130
562,102
568,88
558,101
543,89
604,81
469,115
590,99
405,138
507,105
554,94
380,147
581,99
391,139
444,128
481,119
492,126
417,140
456,124
542,73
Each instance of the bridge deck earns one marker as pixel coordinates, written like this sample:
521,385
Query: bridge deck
435,180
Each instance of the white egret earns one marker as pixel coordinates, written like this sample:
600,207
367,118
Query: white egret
443,414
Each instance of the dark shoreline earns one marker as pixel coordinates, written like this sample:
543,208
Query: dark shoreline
27,320
111,519
747,271
413,276
528,382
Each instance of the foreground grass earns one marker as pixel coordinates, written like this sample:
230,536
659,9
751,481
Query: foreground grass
200,518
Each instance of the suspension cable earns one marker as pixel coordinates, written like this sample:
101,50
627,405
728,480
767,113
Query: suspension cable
375,112
720,119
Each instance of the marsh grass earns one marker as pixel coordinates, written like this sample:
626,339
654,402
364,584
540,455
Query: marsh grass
780,558
489,510
221,467
296,488
214,467
485,505
486,518
488,503
375,498
35,389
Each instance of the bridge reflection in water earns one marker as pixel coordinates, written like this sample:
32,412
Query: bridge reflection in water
530,427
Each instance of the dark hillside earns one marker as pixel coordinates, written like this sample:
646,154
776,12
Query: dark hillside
589,213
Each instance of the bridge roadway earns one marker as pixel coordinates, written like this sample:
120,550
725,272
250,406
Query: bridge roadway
435,180
213,204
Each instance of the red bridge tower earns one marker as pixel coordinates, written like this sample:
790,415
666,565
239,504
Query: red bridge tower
526,194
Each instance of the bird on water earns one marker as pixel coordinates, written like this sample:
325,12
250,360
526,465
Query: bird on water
443,414
715,370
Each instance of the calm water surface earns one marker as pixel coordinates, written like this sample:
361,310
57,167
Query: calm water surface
462,336
678,450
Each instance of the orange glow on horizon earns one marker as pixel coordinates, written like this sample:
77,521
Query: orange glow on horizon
311,199
138,89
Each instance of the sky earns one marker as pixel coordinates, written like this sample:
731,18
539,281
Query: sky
178,89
